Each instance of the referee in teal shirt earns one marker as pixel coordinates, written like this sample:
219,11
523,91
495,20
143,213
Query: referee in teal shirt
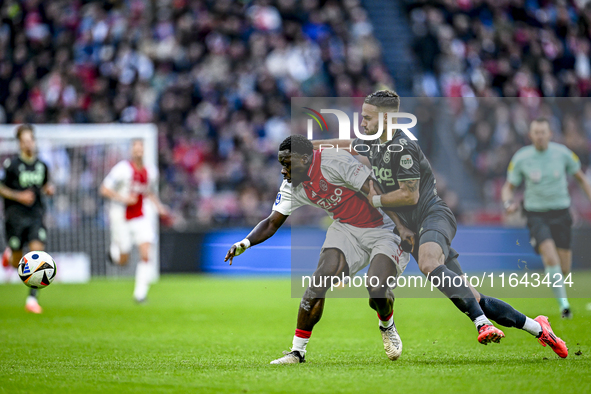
544,166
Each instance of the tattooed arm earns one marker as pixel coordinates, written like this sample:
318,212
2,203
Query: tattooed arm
408,194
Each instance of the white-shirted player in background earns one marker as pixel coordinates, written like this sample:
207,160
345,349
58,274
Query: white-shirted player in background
127,185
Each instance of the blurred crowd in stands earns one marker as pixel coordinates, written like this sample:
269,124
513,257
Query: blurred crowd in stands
217,76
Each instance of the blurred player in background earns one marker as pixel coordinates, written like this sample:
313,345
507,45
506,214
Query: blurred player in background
127,185
24,179
545,166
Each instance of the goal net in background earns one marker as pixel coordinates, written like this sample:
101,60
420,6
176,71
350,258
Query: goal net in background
79,157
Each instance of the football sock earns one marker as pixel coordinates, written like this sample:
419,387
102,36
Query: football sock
462,297
300,340
33,293
115,254
386,321
142,280
532,326
481,321
554,273
501,312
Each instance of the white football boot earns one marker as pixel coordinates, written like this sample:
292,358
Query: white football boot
392,342
293,357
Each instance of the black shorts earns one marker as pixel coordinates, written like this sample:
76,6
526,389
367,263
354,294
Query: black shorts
20,230
439,226
554,225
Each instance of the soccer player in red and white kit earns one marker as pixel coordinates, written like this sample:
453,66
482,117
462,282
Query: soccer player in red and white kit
127,185
360,235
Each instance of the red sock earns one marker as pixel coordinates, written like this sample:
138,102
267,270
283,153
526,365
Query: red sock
302,333
385,318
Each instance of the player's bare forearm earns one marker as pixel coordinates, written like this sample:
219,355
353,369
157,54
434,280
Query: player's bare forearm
584,183
507,192
25,197
408,194
262,231
266,228
111,194
162,209
107,193
397,198
335,143
8,193
507,195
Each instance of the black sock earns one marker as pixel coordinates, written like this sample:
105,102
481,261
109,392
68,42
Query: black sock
461,295
501,312
33,292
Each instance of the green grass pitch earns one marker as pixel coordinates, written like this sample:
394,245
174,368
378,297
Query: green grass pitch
207,334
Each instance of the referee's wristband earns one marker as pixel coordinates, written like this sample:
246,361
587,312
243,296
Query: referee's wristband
376,201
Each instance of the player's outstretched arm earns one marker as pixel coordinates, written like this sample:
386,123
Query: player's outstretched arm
262,231
25,197
335,143
161,208
584,183
48,189
507,195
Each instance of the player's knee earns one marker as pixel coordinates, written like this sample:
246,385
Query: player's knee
430,257
16,257
332,263
427,265
36,245
376,292
124,258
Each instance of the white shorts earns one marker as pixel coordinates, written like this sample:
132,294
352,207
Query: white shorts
360,245
126,233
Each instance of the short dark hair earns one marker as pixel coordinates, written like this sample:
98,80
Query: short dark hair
297,144
541,119
22,128
388,99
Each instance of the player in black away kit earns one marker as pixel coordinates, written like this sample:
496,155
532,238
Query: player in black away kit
408,185
24,179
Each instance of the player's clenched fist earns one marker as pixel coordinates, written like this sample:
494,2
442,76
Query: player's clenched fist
25,197
407,239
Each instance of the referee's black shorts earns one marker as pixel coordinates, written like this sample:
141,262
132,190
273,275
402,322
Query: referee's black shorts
554,224
22,229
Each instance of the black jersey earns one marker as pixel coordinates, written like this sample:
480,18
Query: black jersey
20,175
401,159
